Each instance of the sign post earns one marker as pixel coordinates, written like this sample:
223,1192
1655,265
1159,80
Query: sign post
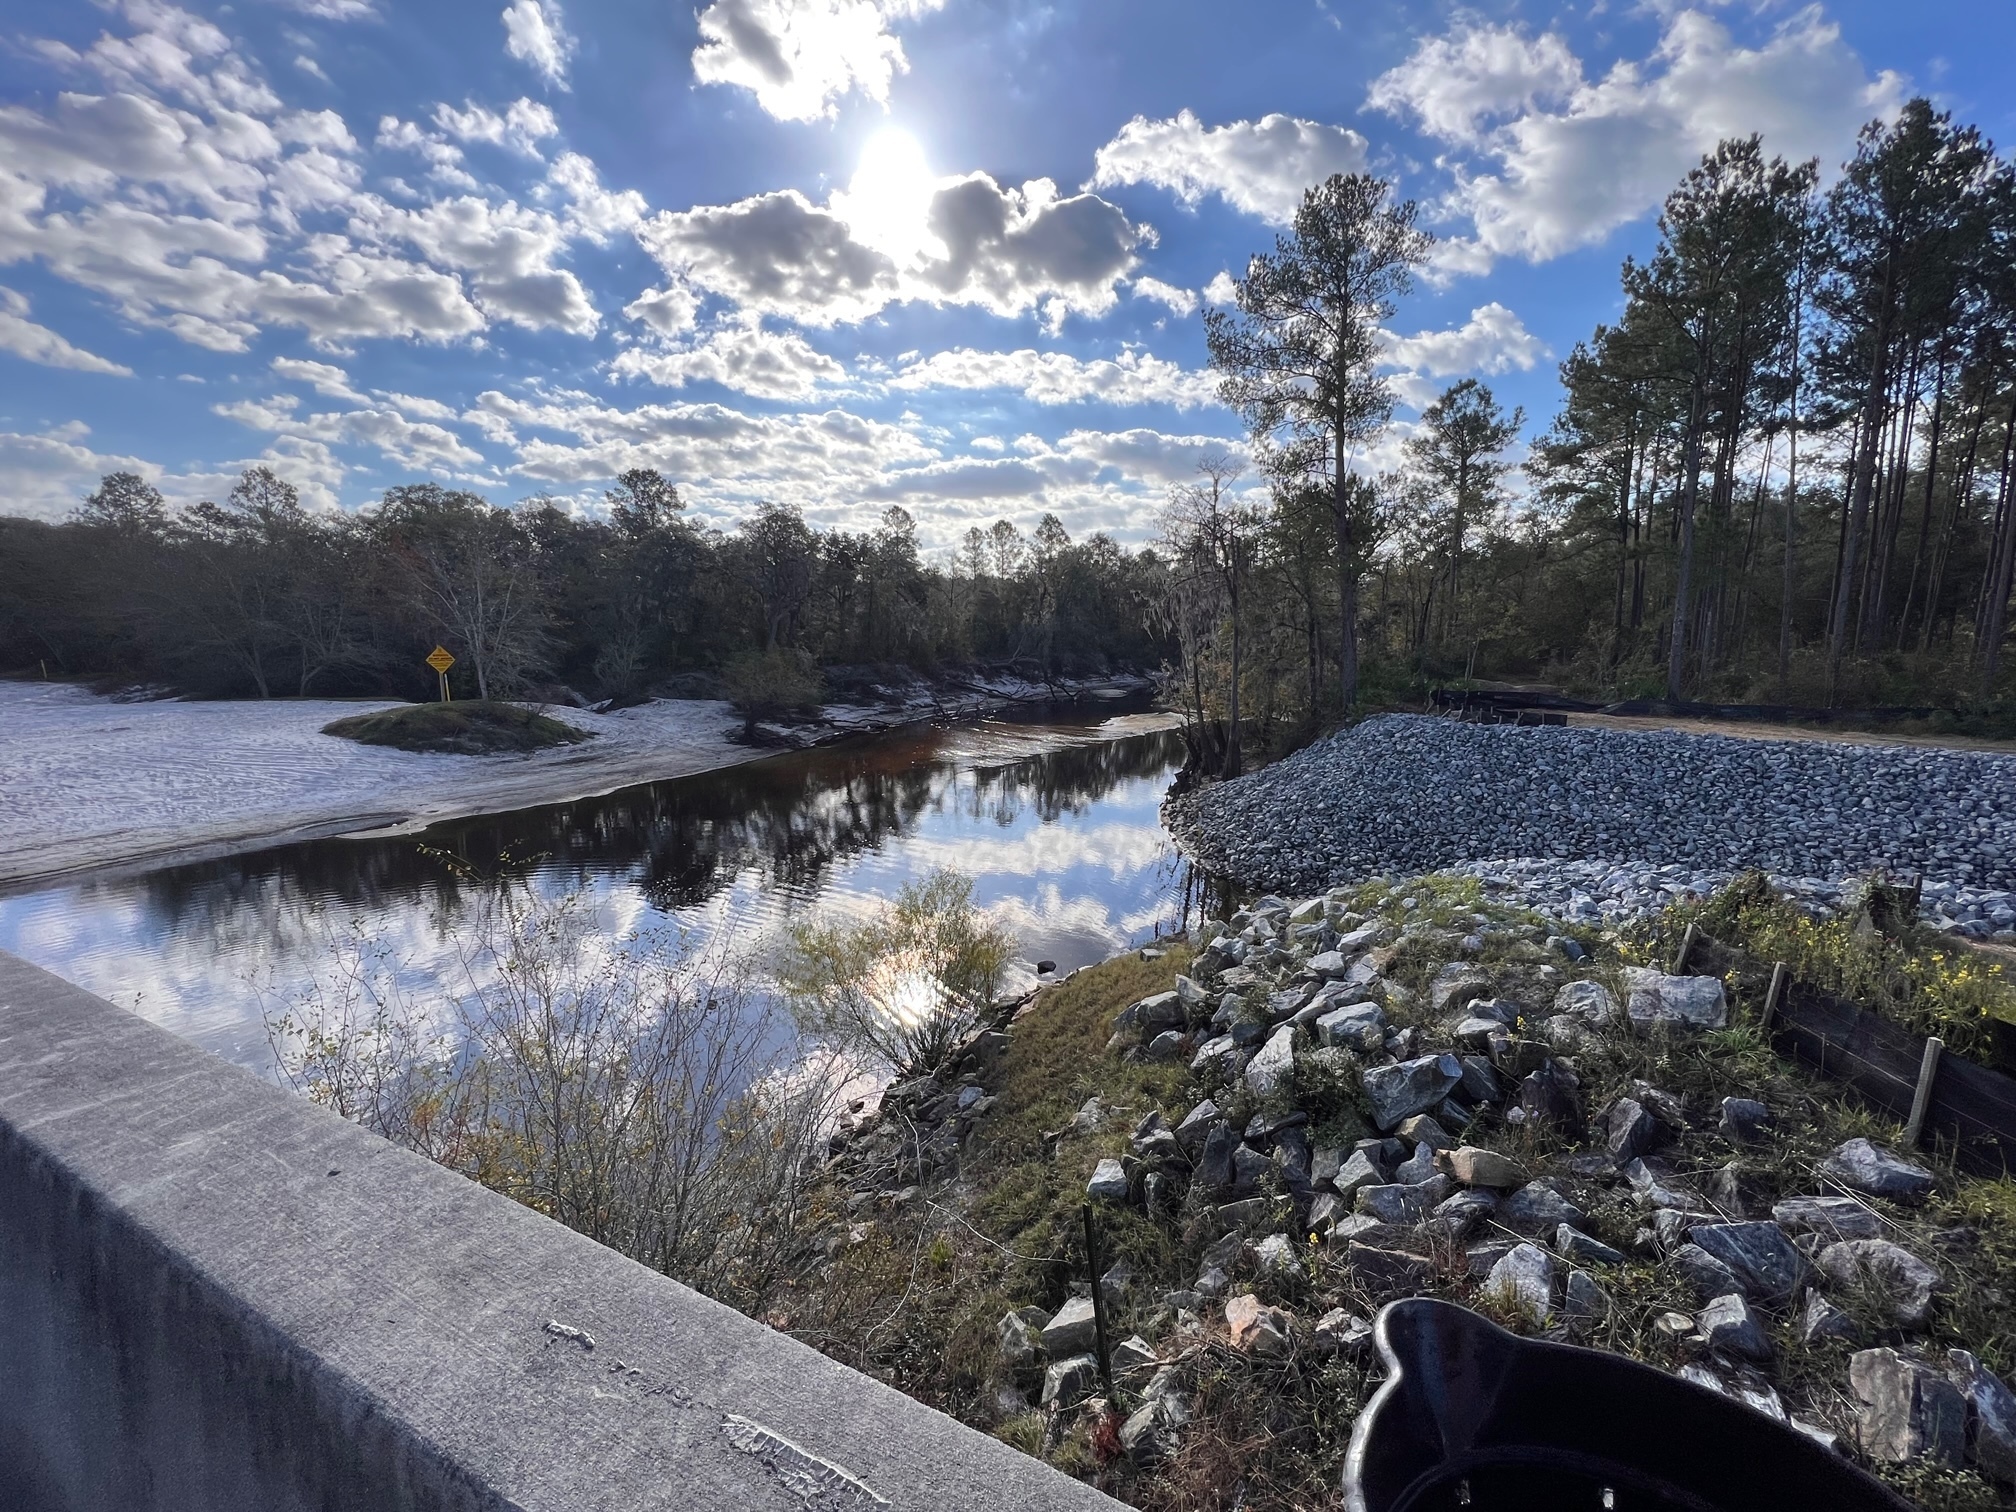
441,659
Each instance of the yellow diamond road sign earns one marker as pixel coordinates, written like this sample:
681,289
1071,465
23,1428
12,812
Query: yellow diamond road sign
440,659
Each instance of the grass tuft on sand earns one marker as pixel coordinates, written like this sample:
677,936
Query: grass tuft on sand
478,727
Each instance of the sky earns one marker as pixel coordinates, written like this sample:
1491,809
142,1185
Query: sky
843,254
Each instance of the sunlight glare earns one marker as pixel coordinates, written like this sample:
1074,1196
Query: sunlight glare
887,205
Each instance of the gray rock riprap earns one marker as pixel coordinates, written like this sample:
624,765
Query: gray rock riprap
1648,814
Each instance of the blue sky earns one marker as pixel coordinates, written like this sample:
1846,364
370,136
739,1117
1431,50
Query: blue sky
842,253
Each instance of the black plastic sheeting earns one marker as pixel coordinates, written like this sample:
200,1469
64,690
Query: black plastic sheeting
1474,1419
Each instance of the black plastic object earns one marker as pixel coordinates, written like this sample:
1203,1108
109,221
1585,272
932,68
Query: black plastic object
1474,1419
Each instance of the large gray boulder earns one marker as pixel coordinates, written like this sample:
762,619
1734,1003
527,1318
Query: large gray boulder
1455,982
1071,1330
1539,1206
1687,1002
1729,1326
1709,1277
1197,1125
1355,1174
1070,1381
1523,1279
1582,1249
1906,1410
1823,1320
1020,1342
1992,1413
1830,1217
1402,1204
1108,1183
1399,1091
1629,1131
1887,1275
1356,1026
1591,1002
1862,1167
1766,1264
1268,1073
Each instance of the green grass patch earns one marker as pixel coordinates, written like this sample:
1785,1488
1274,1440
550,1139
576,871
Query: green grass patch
477,727
1920,979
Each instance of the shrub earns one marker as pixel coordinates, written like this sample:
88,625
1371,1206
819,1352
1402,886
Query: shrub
636,1092
769,684
906,986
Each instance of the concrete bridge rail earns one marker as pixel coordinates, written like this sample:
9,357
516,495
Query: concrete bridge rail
215,1296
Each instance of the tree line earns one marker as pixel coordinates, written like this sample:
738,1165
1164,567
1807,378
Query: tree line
1783,474
260,596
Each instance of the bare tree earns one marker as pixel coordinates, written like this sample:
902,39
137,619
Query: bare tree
1216,533
469,570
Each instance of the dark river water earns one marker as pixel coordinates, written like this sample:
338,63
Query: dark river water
1055,819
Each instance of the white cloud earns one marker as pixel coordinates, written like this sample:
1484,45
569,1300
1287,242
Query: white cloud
1546,161
746,358
800,57
507,250
37,343
46,476
1492,340
522,126
1452,83
1180,301
421,445
1260,167
841,467
323,377
1148,456
411,405
535,34
669,312
310,67
335,10
1222,290
1004,250
594,212
1050,378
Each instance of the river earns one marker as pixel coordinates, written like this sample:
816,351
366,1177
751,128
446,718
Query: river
1054,815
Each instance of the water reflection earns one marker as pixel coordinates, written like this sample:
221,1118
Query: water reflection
1056,821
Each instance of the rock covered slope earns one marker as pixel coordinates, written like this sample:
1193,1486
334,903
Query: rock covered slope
1403,1090
1406,793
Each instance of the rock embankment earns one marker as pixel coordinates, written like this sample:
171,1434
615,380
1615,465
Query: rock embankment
1490,1134
1410,793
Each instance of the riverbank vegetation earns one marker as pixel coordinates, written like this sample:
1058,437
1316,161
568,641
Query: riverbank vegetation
642,1092
475,727
261,597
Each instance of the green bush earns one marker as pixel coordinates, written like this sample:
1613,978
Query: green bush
770,684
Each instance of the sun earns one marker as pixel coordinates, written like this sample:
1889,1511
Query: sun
887,204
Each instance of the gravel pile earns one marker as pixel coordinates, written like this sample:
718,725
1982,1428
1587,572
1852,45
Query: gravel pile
1605,893
1410,793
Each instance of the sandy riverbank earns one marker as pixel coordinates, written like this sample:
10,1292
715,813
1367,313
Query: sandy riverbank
91,784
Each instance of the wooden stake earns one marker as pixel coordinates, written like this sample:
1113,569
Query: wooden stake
1098,1306
1921,1100
1779,973
1686,949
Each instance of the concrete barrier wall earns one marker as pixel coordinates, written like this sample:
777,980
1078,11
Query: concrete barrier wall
214,1296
